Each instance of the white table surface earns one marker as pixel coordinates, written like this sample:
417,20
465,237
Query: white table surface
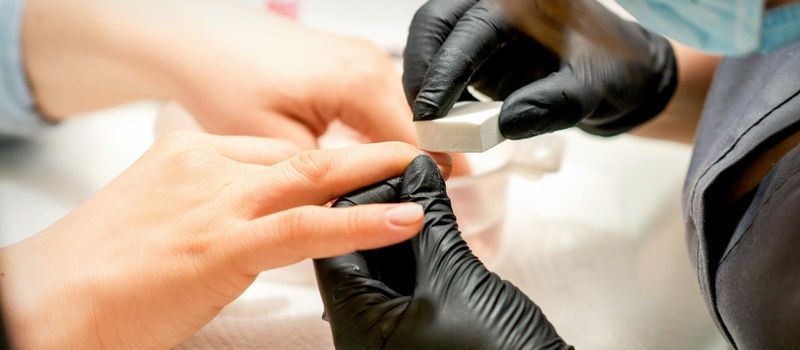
599,245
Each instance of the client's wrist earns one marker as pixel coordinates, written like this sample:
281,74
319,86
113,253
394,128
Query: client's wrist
41,307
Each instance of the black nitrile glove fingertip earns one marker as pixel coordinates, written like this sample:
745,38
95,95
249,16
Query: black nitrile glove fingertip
382,192
426,110
557,102
515,123
522,121
423,176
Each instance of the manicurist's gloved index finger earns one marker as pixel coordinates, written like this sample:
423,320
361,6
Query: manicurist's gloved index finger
429,29
476,37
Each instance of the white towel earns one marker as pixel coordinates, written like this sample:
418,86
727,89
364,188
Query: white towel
281,310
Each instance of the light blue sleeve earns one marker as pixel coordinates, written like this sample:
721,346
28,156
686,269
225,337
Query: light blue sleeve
18,114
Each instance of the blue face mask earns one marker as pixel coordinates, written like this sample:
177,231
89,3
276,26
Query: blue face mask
728,27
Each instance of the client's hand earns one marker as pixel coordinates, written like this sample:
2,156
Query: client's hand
237,69
162,249
429,292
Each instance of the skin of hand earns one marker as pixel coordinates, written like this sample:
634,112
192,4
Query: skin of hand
453,44
427,293
157,253
238,70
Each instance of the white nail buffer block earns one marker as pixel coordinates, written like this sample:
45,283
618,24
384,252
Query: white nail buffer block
469,127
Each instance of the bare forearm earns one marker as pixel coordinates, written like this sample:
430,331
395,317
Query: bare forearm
86,54
29,270
238,71
678,122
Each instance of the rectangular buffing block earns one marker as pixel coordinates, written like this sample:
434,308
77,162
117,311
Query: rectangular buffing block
469,127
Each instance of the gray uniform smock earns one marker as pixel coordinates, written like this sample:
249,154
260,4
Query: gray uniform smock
748,257
18,113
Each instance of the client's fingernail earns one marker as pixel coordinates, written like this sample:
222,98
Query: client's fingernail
440,158
444,161
405,214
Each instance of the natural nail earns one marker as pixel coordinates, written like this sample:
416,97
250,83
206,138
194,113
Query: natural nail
404,215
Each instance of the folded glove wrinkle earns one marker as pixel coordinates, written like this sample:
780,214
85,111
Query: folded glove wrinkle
428,31
382,192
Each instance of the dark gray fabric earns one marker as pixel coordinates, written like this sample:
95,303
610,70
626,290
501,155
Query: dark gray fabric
757,283
753,101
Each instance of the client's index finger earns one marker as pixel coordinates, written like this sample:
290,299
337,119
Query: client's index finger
319,176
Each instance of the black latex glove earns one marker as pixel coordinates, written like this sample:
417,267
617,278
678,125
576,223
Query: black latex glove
429,292
456,43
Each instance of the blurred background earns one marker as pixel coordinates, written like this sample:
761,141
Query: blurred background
591,228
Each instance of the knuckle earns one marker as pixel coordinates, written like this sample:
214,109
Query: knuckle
179,140
356,218
369,68
397,149
286,149
188,153
196,247
373,62
349,229
369,47
311,165
191,161
295,224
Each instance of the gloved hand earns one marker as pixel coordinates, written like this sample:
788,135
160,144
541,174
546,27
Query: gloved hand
456,43
429,292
